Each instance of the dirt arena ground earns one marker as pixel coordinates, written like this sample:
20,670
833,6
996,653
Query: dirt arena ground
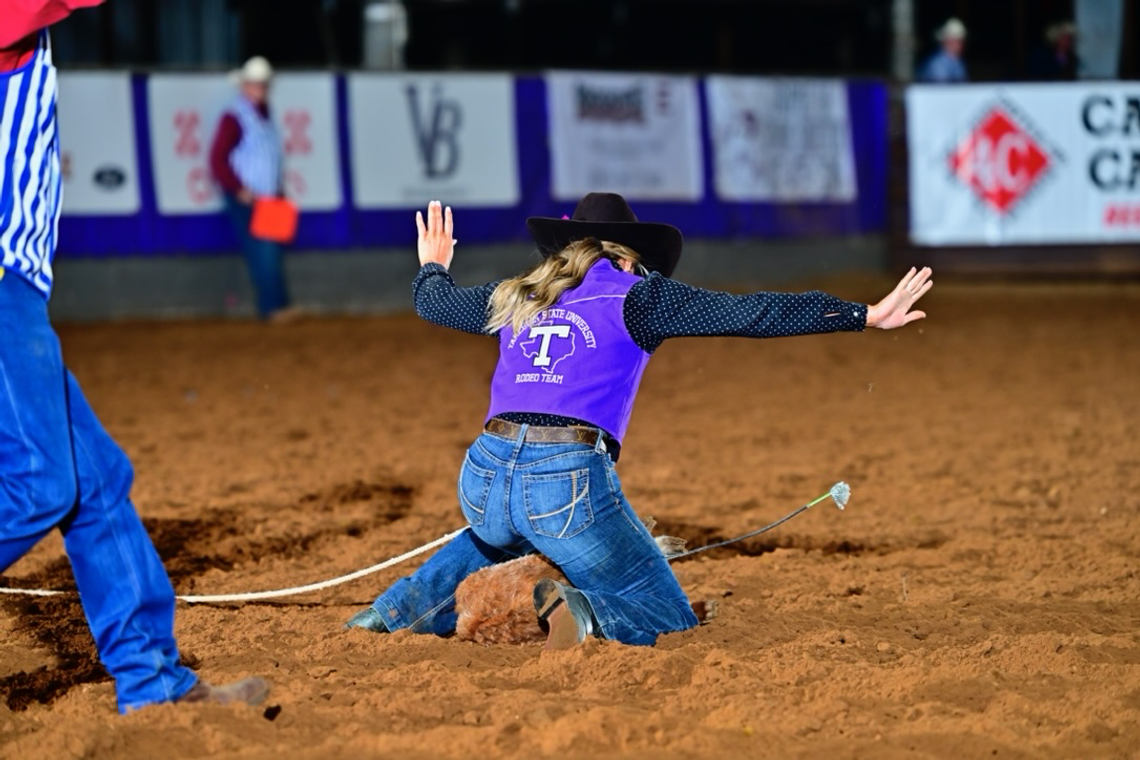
979,598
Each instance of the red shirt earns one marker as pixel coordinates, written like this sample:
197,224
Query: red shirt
20,20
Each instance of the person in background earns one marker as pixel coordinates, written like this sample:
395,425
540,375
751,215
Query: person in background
246,161
945,66
58,467
1056,59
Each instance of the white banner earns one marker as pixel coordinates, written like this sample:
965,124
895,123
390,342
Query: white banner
304,109
1024,164
634,134
97,144
184,114
419,137
781,140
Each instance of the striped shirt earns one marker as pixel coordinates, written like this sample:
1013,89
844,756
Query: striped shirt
257,158
30,183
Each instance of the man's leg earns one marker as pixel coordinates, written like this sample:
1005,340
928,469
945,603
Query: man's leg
425,600
37,474
267,270
262,259
125,591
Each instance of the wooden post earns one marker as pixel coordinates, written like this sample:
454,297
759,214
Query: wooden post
902,33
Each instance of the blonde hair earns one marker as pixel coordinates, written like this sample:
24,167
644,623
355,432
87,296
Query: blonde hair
519,301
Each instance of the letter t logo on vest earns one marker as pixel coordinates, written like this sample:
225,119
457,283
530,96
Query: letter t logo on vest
543,335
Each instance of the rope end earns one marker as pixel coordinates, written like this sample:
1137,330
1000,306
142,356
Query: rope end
841,493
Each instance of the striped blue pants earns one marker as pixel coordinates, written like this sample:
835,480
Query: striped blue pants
59,468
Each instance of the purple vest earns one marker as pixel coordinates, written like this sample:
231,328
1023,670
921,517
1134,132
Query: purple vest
577,359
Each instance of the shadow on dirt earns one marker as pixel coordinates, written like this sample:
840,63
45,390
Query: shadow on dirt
222,539
700,535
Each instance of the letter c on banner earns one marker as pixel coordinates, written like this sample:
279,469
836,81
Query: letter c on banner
1101,157
1011,147
1086,115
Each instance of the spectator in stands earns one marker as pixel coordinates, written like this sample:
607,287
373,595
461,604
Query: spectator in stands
945,66
245,159
1056,59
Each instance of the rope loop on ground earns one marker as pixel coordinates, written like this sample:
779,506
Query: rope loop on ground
839,493
253,596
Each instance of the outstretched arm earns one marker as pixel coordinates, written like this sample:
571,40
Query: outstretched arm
658,308
436,296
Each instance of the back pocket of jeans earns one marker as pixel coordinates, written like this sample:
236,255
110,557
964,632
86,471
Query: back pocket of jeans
474,487
558,504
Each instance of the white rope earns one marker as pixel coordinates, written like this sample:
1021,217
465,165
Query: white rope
840,493
256,595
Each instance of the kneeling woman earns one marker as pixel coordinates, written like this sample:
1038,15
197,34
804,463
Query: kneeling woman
575,333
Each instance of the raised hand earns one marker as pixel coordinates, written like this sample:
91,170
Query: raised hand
436,244
894,310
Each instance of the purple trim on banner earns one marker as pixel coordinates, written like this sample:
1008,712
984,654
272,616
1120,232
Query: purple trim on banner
868,104
149,233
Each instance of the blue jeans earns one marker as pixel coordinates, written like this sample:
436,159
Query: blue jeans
262,257
59,468
564,501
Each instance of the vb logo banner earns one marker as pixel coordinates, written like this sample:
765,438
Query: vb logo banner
420,136
436,121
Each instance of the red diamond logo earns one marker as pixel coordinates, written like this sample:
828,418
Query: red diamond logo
999,160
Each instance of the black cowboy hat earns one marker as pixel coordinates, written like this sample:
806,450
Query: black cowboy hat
607,216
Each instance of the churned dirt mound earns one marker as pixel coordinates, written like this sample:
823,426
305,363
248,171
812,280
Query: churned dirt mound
979,596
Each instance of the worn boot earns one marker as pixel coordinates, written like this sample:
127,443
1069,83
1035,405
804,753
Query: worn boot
369,619
567,612
250,691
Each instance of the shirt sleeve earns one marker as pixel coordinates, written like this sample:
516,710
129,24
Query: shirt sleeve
658,308
225,140
20,18
440,301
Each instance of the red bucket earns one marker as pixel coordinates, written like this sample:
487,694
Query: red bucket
274,219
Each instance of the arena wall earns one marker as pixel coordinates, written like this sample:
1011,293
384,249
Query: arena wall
376,281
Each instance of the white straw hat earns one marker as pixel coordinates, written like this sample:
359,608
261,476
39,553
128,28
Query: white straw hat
953,29
256,70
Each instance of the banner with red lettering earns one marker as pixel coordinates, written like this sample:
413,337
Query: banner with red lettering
184,110
1024,163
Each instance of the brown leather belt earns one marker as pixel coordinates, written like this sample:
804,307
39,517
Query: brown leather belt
540,434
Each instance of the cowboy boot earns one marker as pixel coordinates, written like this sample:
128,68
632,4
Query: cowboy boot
369,619
250,691
566,611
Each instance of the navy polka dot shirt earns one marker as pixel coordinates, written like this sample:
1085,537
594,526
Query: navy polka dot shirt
656,308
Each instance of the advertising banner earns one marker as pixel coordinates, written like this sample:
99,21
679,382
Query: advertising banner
1024,163
97,144
418,137
304,110
781,140
634,134
184,110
